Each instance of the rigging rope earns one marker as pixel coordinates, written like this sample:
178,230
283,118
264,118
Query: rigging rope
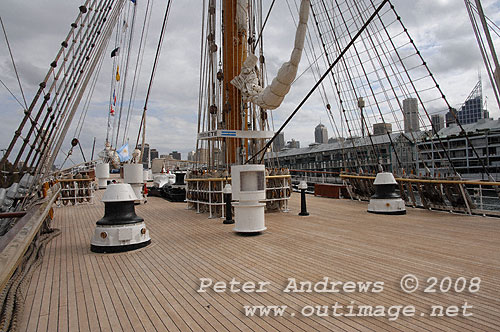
490,70
63,96
116,83
201,74
13,63
263,25
316,71
67,111
86,106
340,100
372,92
138,66
129,49
142,126
69,88
339,57
350,80
322,91
12,94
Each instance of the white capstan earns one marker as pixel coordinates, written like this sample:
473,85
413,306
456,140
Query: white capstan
384,178
119,192
386,200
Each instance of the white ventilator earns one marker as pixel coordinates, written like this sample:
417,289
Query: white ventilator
102,175
133,175
249,194
272,96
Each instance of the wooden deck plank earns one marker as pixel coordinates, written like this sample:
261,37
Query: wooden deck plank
49,307
154,288
29,300
208,305
234,270
174,298
53,296
114,307
251,275
218,269
74,287
167,315
63,269
82,321
99,302
149,317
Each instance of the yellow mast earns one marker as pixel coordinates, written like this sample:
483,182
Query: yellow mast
234,53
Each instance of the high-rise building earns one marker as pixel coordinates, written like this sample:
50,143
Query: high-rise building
191,155
154,154
146,157
320,134
279,142
450,118
382,128
410,114
437,122
176,155
472,109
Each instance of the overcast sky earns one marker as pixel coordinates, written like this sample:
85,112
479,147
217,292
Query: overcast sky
35,29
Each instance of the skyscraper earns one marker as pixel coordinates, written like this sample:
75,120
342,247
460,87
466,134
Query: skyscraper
450,118
146,157
154,154
320,134
279,142
410,114
437,122
472,109
176,155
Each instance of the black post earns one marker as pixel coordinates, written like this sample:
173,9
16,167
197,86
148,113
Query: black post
93,147
229,212
303,207
81,150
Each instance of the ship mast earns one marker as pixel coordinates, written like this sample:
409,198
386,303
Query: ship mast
234,53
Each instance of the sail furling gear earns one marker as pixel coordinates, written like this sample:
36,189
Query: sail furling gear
241,15
272,96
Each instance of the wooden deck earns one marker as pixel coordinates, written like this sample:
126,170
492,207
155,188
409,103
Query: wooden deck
155,288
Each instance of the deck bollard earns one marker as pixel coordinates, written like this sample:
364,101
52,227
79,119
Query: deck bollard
303,207
227,198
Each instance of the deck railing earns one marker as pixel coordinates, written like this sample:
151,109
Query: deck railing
15,243
449,194
205,194
76,191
